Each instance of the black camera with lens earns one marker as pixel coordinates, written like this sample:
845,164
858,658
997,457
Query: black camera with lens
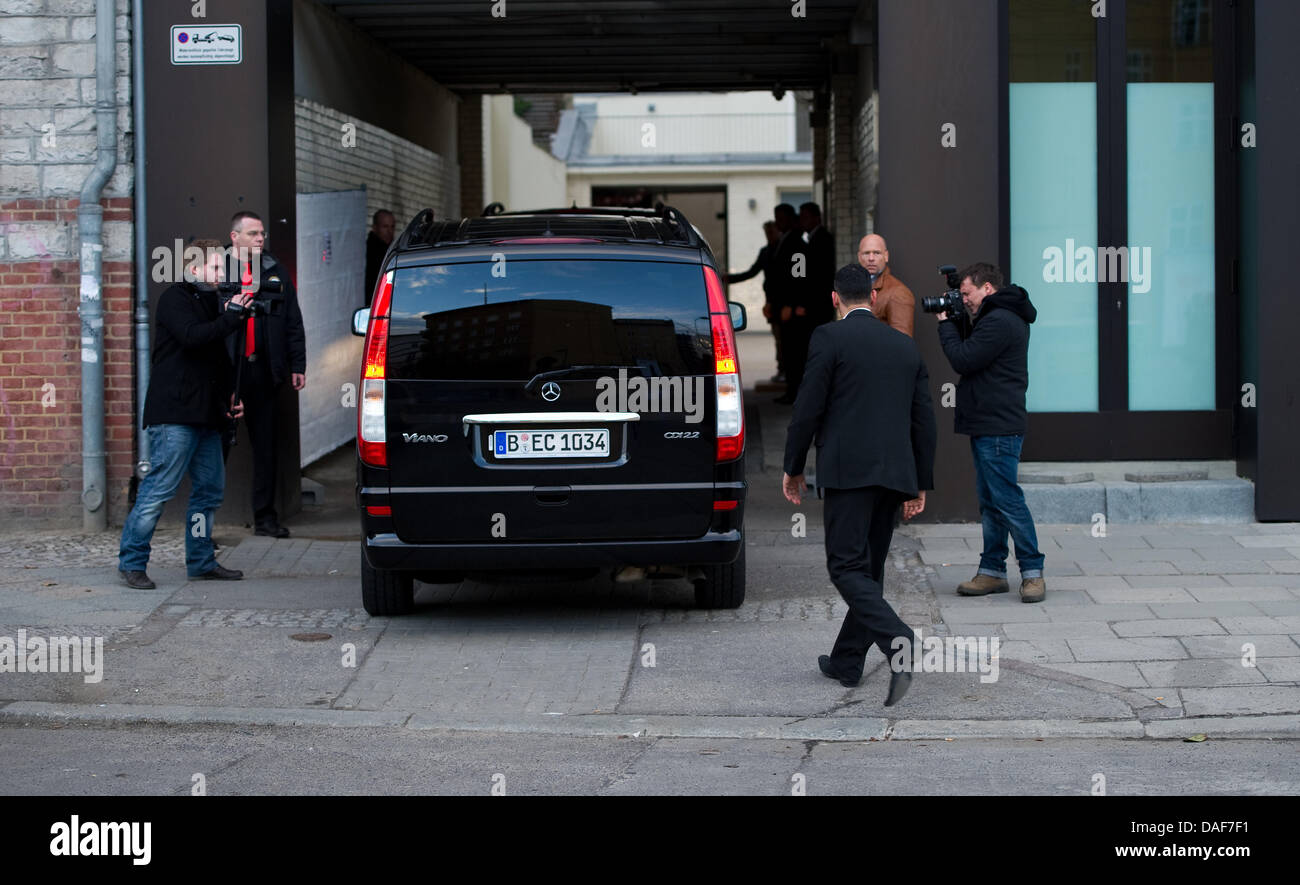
949,302
270,296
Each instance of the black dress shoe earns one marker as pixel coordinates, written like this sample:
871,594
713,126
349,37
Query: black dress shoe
221,573
824,662
272,531
136,580
899,683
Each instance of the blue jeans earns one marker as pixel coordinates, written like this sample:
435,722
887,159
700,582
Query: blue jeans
174,450
1002,507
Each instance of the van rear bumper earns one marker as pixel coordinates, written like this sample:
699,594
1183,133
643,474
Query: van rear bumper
387,551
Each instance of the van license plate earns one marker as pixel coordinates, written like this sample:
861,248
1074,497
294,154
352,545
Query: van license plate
589,443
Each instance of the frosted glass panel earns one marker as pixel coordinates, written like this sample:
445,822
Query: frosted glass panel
1053,229
1171,237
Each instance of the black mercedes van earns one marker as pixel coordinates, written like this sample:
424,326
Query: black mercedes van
550,390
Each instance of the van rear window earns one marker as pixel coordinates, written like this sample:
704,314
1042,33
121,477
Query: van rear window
465,322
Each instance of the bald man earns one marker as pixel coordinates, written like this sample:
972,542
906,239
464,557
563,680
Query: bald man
895,303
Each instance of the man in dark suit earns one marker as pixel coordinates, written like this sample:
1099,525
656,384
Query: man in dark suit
865,400
821,265
383,227
274,352
788,272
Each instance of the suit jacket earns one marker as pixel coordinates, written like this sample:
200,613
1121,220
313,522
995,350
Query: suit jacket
865,401
820,281
281,338
785,289
895,303
190,379
376,249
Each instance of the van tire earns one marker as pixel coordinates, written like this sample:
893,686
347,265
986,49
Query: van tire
385,593
723,586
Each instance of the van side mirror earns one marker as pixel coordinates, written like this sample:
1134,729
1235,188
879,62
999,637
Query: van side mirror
360,321
738,318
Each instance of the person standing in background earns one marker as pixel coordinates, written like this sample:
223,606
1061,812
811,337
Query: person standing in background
383,227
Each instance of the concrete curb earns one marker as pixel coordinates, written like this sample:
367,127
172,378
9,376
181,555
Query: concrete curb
828,729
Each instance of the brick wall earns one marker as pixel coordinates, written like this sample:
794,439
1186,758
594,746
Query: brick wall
842,213
398,175
40,375
47,149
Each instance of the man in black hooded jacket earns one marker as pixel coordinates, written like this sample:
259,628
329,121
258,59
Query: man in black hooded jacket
993,362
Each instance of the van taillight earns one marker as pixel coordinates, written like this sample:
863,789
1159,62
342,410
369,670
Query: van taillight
372,440
726,372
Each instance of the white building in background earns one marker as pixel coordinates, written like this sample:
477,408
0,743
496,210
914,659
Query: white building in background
725,159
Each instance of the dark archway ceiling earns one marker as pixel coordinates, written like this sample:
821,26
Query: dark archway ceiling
607,45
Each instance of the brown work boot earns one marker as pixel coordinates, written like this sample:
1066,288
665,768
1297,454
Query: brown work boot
981,585
1033,590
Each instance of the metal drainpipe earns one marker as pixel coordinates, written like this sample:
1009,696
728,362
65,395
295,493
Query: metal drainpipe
90,230
142,464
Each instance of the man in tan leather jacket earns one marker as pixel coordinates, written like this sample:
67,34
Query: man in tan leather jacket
895,303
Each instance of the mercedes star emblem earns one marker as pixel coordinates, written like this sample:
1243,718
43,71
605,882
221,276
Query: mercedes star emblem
550,391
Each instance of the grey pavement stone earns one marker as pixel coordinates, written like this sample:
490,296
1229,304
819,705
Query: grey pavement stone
1062,630
1159,554
1074,503
1241,700
1272,528
1239,594
1290,581
1083,582
950,556
1204,609
1279,669
1108,613
1261,624
1128,568
1041,651
1281,539
1118,672
1279,607
1186,582
1204,672
1066,597
1219,501
1285,727
1141,594
1267,645
978,611
1123,502
1146,649
950,530
1165,696
1023,728
1224,567
1167,627
1116,539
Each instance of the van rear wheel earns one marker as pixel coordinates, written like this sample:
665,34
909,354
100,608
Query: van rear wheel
385,593
723,586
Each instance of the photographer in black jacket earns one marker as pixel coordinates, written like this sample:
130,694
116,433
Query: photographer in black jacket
992,358
189,402
274,352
